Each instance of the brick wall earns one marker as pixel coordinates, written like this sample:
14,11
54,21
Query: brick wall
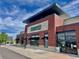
70,27
53,22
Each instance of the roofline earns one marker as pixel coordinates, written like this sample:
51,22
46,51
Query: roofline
72,17
61,9
52,5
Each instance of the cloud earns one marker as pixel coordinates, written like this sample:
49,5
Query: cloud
13,12
36,2
72,8
27,15
71,4
11,26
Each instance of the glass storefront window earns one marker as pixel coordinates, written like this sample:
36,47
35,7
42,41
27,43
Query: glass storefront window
34,40
61,39
70,36
67,42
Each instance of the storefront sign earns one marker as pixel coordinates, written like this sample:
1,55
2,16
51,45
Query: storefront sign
38,27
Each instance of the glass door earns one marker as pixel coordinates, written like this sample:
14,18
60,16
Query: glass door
46,40
71,46
67,42
61,41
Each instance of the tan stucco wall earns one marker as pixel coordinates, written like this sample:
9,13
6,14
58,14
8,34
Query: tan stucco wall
64,16
44,26
71,21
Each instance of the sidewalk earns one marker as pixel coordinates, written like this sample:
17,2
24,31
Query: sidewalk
40,54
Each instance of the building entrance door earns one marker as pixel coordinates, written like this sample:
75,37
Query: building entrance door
67,42
71,48
61,42
71,44
46,40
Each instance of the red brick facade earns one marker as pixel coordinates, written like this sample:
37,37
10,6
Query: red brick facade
53,22
53,32
70,27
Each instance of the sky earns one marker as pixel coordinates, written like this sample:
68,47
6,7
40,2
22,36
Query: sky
13,12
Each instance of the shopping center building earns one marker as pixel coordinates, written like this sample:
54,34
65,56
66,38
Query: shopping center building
52,28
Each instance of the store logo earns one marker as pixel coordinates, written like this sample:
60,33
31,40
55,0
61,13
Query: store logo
38,27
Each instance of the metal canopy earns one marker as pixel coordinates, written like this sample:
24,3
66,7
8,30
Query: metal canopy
52,9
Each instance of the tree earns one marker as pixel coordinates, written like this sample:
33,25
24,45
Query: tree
3,37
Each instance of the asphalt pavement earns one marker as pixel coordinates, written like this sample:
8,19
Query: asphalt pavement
8,54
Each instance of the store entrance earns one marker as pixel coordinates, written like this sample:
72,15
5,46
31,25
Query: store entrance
67,42
46,40
34,41
71,47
